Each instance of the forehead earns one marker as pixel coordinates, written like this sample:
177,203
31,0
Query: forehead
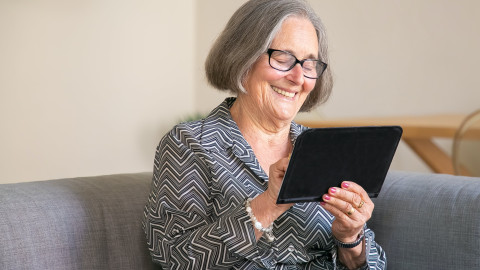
298,36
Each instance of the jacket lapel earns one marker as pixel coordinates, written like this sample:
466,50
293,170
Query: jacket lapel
221,134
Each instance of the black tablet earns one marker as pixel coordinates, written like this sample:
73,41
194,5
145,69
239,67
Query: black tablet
324,157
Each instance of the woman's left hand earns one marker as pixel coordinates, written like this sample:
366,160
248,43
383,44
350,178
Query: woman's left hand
351,207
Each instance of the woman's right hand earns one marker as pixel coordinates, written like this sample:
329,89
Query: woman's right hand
264,206
275,179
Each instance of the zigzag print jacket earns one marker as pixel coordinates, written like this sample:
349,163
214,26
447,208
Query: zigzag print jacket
195,217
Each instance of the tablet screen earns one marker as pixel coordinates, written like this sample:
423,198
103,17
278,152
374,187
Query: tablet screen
324,157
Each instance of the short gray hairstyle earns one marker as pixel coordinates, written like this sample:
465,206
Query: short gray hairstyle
249,33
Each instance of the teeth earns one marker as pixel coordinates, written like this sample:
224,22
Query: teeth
280,91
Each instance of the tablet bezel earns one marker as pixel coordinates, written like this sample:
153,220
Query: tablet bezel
313,149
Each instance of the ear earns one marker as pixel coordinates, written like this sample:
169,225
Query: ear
245,79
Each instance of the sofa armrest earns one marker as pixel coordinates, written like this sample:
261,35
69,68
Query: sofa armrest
428,221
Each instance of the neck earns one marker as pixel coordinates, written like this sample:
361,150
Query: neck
259,129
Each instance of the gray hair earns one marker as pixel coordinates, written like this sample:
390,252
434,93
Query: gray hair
247,36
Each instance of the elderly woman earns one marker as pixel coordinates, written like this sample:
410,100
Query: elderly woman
216,180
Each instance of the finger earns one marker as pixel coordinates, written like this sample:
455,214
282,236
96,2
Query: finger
353,198
354,187
283,163
279,167
363,200
348,222
364,206
276,173
340,208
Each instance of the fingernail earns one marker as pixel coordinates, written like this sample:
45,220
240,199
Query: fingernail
326,197
333,190
322,203
345,184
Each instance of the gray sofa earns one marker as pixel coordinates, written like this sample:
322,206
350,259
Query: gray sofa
423,221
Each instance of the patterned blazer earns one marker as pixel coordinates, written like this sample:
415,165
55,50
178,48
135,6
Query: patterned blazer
195,216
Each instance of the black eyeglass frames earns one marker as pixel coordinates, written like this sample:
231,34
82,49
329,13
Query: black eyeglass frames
285,61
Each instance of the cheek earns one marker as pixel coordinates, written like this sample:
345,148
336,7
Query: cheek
309,85
262,75
307,89
273,75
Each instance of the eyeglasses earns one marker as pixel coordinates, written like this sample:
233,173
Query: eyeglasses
285,61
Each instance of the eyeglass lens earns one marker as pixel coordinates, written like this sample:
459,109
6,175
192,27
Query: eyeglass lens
285,61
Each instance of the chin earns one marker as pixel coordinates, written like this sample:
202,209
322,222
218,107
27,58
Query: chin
287,115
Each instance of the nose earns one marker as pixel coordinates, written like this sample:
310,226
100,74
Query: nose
296,74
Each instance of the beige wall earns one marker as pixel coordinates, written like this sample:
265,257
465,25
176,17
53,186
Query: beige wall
89,87
388,58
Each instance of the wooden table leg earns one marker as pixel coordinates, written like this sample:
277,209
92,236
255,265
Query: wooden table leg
435,157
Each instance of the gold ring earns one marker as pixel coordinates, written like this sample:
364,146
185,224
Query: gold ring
360,204
351,211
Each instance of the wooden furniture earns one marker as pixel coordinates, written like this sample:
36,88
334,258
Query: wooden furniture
466,147
418,132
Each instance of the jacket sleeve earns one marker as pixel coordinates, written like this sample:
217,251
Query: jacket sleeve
178,222
376,258
375,255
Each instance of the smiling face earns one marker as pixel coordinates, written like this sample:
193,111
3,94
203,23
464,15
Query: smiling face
279,95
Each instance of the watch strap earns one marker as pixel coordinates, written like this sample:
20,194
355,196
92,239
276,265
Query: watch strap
349,245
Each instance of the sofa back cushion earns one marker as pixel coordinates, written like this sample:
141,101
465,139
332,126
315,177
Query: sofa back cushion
428,221
79,223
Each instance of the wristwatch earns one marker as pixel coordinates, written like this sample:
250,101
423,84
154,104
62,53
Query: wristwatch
352,244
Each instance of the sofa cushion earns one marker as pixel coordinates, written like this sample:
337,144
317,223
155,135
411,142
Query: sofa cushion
80,223
428,221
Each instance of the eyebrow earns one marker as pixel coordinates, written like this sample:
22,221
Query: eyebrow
310,56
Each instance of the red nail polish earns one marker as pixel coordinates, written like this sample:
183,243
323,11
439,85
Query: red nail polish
326,197
345,184
333,190
322,203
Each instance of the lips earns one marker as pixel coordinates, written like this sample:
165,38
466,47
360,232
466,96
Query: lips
282,92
